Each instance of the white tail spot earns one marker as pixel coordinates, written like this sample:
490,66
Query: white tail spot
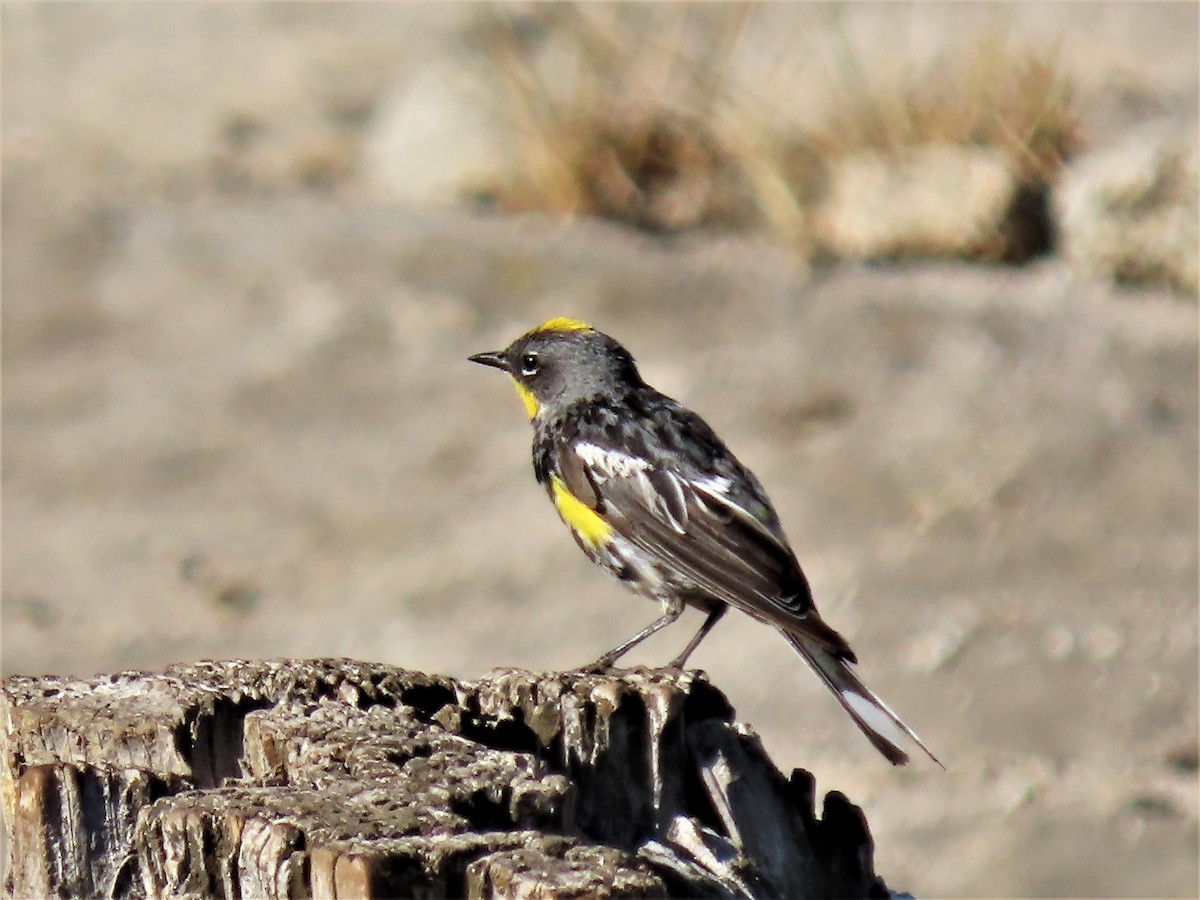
877,719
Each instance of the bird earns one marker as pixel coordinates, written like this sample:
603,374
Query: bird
653,496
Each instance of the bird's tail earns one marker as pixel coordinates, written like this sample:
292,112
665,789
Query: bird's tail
883,728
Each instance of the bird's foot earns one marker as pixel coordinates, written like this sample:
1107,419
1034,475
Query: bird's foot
603,664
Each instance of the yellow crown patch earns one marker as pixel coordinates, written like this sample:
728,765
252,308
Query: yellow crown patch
562,323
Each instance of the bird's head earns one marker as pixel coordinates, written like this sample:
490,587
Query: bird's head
561,361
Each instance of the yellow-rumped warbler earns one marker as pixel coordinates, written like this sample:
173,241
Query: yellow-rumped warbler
653,496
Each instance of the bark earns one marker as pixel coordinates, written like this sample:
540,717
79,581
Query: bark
333,778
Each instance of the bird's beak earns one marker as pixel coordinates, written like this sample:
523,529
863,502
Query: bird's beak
494,358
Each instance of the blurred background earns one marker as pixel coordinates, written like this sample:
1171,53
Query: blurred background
931,269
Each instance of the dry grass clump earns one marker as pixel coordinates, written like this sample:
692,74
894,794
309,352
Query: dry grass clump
969,147
655,169
999,95
635,113
612,114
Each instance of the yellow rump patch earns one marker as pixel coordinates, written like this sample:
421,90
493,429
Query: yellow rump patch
582,519
562,323
530,401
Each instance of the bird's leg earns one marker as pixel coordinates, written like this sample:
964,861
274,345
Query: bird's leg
714,616
672,610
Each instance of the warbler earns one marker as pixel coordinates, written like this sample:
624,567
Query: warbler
654,497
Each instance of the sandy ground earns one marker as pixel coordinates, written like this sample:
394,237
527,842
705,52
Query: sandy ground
242,424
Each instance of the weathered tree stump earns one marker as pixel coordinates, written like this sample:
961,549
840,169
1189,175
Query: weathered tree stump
333,778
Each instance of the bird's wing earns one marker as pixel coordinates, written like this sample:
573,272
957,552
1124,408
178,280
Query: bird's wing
692,524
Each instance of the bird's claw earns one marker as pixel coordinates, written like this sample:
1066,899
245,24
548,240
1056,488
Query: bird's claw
603,664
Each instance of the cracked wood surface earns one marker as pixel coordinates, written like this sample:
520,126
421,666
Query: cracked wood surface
333,778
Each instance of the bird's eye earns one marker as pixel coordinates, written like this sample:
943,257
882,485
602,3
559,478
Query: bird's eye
529,364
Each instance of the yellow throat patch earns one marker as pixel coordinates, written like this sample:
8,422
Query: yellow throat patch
530,401
561,323
581,518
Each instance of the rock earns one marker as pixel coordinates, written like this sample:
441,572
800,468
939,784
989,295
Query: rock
933,200
1131,211
436,135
